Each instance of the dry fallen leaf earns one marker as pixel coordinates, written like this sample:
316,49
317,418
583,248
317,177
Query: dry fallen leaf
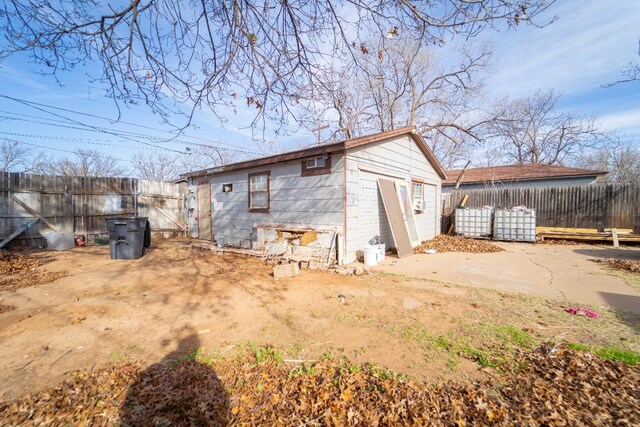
445,243
570,388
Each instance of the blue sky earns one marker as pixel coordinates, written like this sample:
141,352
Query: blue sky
586,47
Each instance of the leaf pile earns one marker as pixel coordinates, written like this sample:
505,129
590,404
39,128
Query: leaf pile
632,266
554,386
21,271
12,263
446,243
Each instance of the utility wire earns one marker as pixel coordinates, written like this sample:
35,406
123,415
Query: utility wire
60,149
28,103
24,101
78,140
152,138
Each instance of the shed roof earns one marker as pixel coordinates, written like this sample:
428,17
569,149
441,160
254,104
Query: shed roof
514,173
332,147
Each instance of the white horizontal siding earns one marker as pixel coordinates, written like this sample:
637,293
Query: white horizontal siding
372,219
366,218
297,201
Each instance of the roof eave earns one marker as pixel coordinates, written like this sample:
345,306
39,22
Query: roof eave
266,161
324,149
540,178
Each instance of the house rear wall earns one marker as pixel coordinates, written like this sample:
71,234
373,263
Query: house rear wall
296,201
399,157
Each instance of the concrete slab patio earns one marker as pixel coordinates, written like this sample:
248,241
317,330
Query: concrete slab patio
555,272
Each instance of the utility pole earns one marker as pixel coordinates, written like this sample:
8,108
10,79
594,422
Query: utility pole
319,129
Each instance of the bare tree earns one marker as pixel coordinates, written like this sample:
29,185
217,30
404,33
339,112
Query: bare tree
532,130
620,157
203,52
157,166
630,73
451,151
202,157
338,104
15,157
399,83
85,163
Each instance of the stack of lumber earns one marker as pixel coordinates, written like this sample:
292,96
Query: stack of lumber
588,234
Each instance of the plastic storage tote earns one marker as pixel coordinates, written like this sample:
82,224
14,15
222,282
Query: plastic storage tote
517,225
473,222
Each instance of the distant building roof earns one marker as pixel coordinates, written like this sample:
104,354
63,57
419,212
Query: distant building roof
513,173
325,149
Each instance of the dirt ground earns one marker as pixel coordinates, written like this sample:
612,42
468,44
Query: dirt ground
564,273
106,311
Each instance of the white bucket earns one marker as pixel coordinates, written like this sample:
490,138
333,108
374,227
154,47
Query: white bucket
371,255
382,249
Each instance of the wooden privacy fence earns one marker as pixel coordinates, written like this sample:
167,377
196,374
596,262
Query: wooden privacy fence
596,206
80,205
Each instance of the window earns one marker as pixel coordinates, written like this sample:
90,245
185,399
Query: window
320,165
417,190
318,162
227,188
259,186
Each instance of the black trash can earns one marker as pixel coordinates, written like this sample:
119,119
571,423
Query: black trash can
128,236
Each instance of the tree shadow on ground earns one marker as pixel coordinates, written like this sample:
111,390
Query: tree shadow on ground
617,253
630,312
178,390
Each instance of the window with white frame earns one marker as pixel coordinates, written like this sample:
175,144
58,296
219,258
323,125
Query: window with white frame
259,191
417,190
318,162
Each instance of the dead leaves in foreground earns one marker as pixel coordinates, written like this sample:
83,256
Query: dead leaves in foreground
21,271
555,386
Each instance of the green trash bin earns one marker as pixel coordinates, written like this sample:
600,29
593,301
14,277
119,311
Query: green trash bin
128,236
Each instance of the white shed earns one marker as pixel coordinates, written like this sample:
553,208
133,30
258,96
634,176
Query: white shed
331,191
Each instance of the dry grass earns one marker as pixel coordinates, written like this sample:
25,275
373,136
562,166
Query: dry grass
628,270
445,243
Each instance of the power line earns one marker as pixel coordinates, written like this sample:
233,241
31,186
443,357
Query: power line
59,149
124,122
90,129
28,103
79,140
119,133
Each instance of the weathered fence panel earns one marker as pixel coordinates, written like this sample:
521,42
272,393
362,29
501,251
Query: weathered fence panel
596,206
163,203
80,205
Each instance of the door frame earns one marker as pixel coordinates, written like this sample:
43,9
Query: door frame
398,183
199,185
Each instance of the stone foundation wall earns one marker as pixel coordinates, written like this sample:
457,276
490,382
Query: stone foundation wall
297,243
